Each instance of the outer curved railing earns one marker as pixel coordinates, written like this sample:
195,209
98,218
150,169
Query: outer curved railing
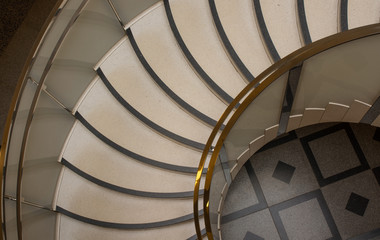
46,37
34,73
17,97
246,97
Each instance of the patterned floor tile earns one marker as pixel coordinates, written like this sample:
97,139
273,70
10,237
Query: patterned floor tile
241,194
371,148
283,172
304,217
334,154
259,223
336,196
357,204
275,190
358,218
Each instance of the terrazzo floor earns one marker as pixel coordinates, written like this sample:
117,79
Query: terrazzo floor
318,182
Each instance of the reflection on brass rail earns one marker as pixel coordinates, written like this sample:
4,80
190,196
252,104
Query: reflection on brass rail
17,95
266,78
15,101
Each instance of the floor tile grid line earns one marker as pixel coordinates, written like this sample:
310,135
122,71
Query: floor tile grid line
275,212
259,193
316,194
314,165
255,182
357,148
328,216
322,133
321,201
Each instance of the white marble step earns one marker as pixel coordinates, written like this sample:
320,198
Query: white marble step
238,19
196,26
363,12
107,116
281,20
71,229
321,17
159,47
92,156
89,200
129,78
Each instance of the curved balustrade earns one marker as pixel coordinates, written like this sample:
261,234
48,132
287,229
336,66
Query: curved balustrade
108,113
303,87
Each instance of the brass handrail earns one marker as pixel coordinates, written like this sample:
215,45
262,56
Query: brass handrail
32,110
265,79
17,96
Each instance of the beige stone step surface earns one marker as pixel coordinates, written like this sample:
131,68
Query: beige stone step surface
92,156
321,17
158,45
90,200
281,20
195,24
129,78
238,19
111,119
363,12
76,230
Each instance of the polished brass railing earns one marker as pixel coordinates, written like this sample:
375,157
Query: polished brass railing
39,41
247,96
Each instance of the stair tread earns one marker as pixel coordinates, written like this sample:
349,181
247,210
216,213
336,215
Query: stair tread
168,62
87,199
111,166
72,229
130,80
238,19
195,25
281,20
322,18
112,120
363,12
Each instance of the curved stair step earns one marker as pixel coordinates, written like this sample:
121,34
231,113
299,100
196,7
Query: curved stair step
238,19
321,17
281,21
194,22
112,120
363,12
128,78
84,198
71,229
89,154
158,46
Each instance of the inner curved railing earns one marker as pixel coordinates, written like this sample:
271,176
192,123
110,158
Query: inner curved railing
245,98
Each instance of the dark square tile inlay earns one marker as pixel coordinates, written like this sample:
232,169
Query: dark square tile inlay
377,135
283,172
251,236
376,171
357,204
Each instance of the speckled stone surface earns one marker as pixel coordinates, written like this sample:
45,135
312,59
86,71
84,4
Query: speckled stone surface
342,202
20,23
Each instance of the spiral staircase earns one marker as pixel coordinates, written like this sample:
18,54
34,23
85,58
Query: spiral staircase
114,112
